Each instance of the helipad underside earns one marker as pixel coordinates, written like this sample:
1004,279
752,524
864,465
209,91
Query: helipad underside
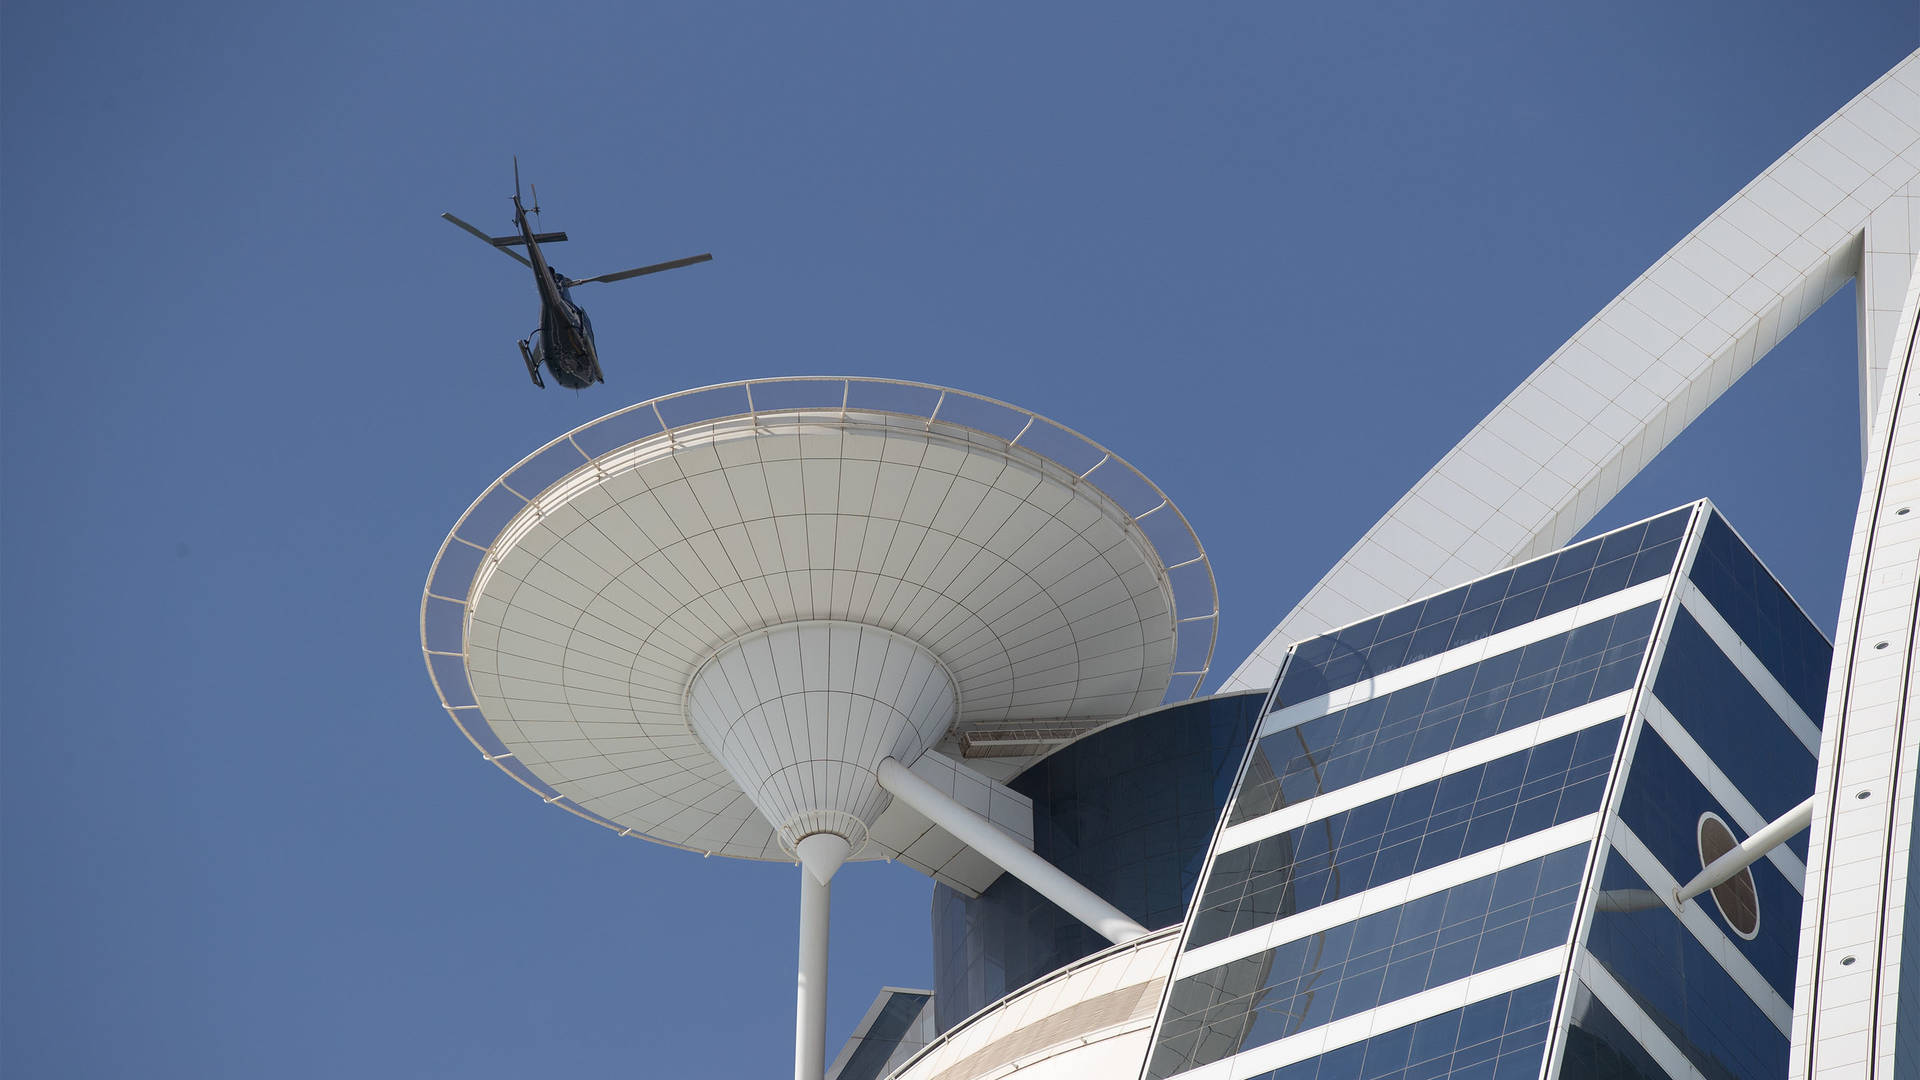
598,597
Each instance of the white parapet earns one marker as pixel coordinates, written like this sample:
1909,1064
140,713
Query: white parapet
1092,1018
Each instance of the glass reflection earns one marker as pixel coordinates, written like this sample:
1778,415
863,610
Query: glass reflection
1498,694
1416,829
1552,583
1432,941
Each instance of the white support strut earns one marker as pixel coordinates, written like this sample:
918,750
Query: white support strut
987,838
1752,850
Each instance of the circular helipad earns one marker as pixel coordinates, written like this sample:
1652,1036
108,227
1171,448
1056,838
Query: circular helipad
570,610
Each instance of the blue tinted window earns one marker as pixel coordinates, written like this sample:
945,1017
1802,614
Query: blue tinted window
1498,694
1686,992
1383,957
1599,1046
895,1034
1413,830
1635,554
1509,1035
1662,804
1732,722
1763,615
1128,812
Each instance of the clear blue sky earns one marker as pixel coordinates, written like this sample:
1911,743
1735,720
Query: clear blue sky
1279,256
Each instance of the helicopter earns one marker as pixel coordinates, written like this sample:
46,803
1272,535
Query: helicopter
564,341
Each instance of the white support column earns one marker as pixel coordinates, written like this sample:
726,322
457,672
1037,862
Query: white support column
986,838
810,1019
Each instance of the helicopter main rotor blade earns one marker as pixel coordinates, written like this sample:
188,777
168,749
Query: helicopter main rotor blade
638,270
488,240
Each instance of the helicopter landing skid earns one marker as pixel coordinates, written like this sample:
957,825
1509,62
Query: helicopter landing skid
533,366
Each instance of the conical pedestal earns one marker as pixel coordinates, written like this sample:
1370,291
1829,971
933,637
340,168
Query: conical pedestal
803,714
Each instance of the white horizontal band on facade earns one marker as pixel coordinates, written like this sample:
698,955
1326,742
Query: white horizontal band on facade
1608,991
1388,895
1395,1014
1467,655
1750,820
1756,673
1638,856
1426,770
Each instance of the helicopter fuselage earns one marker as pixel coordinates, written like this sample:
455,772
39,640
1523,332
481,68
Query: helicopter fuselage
564,343
566,334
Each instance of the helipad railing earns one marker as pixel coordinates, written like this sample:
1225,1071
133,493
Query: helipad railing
1184,568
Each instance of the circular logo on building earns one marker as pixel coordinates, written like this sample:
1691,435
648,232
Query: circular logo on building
1738,900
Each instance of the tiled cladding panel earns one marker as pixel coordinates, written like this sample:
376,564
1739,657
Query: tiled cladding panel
1733,723
1682,988
1763,615
1662,804
1128,812
1412,830
1498,694
1549,584
1357,966
1599,1046
1497,1038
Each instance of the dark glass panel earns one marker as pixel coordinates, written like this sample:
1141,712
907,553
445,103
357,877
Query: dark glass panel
1498,694
895,1035
1682,988
1415,829
1500,602
1736,727
1576,560
1302,984
1763,615
1128,812
1599,1046
1662,803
